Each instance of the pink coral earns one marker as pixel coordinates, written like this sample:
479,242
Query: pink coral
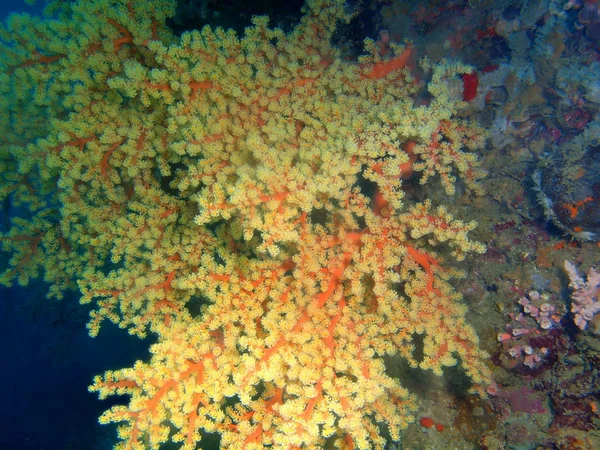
585,294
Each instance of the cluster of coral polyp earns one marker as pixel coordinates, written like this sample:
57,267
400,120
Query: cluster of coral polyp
243,199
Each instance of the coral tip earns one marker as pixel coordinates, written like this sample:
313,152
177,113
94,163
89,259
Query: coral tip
470,83
439,427
427,422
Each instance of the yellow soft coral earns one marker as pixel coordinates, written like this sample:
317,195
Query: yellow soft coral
244,199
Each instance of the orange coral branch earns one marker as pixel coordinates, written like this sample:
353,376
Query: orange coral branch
383,68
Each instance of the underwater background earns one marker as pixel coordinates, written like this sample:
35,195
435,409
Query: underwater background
532,92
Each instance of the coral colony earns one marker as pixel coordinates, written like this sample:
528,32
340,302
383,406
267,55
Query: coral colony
586,295
259,177
519,340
